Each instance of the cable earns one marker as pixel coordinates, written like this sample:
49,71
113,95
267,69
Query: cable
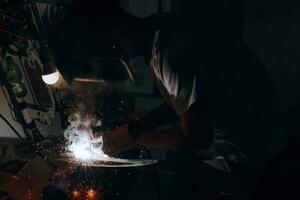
12,128
6,97
11,18
37,152
3,30
9,105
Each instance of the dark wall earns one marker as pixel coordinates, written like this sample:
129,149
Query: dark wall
272,29
228,12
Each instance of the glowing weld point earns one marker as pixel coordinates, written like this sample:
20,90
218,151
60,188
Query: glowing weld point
81,153
85,148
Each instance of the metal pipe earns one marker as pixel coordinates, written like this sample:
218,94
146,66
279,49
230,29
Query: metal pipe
11,18
89,80
3,30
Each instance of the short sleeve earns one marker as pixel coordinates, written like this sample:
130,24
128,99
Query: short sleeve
180,80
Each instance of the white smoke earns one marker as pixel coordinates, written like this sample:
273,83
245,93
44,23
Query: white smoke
80,139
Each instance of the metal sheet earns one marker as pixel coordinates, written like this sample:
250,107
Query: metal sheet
108,162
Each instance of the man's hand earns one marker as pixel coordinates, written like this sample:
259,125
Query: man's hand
116,140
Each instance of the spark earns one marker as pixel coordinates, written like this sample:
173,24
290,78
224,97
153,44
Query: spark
75,194
91,194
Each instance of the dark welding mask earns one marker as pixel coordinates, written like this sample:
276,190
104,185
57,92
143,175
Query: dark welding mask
88,62
84,48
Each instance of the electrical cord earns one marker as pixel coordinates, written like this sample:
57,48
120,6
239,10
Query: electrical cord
37,152
12,128
5,95
9,105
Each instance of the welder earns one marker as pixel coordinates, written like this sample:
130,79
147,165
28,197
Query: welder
217,95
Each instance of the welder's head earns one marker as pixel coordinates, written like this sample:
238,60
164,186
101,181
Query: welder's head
84,43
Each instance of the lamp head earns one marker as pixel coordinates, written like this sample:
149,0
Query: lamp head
52,78
50,74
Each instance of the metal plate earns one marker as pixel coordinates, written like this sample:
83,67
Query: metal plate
108,162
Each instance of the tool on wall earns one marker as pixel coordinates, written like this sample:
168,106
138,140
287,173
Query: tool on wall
22,33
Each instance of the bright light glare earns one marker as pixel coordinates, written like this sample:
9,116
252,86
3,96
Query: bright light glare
85,148
80,146
51,79
82,153
81,141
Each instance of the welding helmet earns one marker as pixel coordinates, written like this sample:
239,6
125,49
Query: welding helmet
83,45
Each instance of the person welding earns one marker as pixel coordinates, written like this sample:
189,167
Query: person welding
215,89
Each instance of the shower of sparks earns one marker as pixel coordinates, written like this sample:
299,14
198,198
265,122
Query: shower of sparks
86,149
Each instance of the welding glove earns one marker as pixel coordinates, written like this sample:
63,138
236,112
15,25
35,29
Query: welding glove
117,141
122,138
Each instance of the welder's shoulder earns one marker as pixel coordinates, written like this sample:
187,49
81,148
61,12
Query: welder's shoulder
180,56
